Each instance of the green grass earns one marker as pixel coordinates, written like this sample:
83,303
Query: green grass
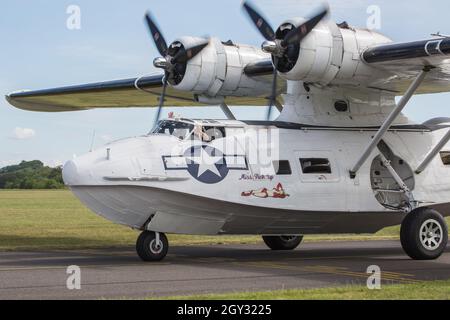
55,219
438,290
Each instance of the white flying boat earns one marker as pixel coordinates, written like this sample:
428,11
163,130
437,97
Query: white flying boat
340,158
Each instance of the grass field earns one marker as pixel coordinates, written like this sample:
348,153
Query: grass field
57,220
439,290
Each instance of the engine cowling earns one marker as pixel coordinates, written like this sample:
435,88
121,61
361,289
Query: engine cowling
329,53
218,71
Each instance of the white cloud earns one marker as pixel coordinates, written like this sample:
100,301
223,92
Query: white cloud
6,163
23,133
54,163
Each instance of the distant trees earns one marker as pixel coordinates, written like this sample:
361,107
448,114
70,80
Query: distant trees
31,175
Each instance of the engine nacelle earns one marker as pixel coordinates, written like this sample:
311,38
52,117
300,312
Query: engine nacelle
218,71
329,53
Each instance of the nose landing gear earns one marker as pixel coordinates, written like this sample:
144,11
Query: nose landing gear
152,246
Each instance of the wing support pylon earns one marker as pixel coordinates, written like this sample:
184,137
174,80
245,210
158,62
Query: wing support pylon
227,111
390,120
433,153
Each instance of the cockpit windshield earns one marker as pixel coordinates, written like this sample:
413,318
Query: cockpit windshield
178,129
185,129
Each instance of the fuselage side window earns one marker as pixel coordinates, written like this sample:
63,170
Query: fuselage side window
315,166
282,167
445,156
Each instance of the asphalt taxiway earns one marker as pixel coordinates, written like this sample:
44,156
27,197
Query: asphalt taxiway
118,273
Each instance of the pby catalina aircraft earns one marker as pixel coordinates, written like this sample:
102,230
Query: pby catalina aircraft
340,158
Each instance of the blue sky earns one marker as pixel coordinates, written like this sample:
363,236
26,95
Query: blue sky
38,51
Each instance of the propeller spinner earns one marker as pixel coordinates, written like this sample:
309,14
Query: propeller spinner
173,60
283,45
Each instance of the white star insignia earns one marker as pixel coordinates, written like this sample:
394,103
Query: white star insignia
206,162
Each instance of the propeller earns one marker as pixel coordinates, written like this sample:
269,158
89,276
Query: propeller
285,46
173,60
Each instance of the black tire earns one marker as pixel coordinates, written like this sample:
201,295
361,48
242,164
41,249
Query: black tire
416,241
279,243
146,249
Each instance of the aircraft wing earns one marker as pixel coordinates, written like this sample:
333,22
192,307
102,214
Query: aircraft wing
400,63
135,92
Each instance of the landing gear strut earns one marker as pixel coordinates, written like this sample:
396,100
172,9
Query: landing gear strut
278,243
152,246
424,234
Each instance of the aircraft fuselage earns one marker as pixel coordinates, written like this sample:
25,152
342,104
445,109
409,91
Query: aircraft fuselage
265,178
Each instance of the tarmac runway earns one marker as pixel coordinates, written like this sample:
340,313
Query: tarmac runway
118,273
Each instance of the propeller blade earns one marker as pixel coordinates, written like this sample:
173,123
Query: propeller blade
184,56
161,99
157,36
299,33
273,96
261,24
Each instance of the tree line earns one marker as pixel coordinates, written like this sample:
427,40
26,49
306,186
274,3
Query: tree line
31,175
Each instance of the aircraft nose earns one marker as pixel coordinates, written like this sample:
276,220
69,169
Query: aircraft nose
70,173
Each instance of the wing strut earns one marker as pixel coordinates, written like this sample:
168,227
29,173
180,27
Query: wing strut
228,113
278,105
433,153
390,120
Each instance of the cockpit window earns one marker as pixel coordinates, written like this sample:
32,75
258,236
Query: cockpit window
178,129
208,134
185,130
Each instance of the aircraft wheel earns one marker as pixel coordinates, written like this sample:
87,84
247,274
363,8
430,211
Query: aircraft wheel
282,242
148,249
424,234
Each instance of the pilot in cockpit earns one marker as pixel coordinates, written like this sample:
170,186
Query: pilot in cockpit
201,134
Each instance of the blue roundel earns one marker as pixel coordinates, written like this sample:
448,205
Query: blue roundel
206,164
